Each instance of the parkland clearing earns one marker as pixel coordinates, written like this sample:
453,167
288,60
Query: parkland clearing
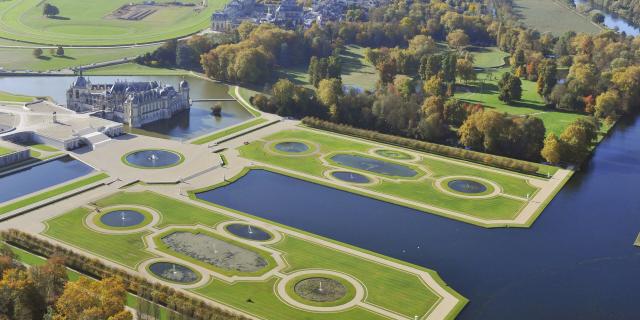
376,160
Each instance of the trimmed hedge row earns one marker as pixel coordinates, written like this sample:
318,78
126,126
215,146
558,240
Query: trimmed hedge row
479,157
186,306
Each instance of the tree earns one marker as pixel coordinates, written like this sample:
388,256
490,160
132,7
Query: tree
50,10
606,104
187,57
510,88
547,78
465,69
458,39
404,85
88,299
577,139
37,52
330,91
552,150
60,51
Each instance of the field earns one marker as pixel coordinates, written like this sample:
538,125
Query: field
90,22
507,195
553,16
356,72
23,59
4,151
530,104
134,69
488,57
401,289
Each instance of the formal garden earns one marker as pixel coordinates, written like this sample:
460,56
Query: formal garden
431,183
281,273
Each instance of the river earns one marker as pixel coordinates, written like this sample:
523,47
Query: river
613,21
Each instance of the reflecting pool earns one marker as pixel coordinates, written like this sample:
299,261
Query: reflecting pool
373,165
41,176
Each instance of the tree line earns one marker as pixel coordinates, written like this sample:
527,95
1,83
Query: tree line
179,306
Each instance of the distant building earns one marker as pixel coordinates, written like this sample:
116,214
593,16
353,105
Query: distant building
233,13
132,103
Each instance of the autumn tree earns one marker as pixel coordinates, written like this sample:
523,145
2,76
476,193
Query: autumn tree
547,78
552,150
510,88
89,299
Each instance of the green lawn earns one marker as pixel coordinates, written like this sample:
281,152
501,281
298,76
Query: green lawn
356,72
52,193
23,59
173,212
44,147
531,103
553,16
399,291
4,151
125,249
5,96
488,57
419,190
134,69
89,22
231,130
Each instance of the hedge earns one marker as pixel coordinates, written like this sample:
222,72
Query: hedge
187,306
458,153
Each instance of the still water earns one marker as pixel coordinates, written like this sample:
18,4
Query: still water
36,178
187,125
612,20
576,262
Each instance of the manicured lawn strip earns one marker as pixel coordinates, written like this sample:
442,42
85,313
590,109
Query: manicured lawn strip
386,287
266,305
5,96
246,94
349,294
173,212
134,69
52,193
31,259
229,131
125,249
4,151
496,208
356,71
510,185
161,246
419,191
434,274
44,147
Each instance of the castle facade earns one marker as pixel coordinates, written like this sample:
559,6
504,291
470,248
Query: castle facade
132,103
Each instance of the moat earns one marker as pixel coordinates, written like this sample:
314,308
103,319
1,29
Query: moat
576,262
186,125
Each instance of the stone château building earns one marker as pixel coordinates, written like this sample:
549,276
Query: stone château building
132,103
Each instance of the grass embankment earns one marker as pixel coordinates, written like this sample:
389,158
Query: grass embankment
396,290
93,23
23,59
5,96
134,69
4,151
419,190
52,193
230,131
485,92
553,16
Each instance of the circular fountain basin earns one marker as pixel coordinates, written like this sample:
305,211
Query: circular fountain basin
350,177
320,289
122,218
249,232
174,272
392,154
292,147
153,159
373,165
467,186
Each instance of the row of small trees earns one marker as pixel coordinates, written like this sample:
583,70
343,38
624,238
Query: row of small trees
482,158
184,306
